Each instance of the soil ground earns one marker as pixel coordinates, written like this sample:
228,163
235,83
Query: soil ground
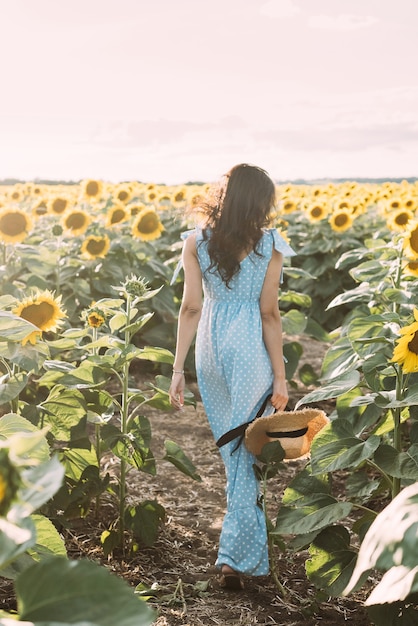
180,566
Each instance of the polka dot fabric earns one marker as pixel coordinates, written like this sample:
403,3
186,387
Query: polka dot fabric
234,375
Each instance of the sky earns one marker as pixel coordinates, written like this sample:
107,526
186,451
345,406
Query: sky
173,91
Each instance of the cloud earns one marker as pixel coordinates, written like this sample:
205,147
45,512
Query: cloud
140,133
343,139
280,8
344,21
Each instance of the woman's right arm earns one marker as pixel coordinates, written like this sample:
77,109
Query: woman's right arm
188,320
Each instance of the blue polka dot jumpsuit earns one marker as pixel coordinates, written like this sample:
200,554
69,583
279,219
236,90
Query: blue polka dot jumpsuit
234,375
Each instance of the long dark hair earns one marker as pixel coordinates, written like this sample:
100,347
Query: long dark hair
237,216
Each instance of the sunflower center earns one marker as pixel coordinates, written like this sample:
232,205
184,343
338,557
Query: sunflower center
402,219
123,196
316,211
59,205
96,246
341,219
13,224
413,344
95,320
413,240
117,216
92,188
39,314
75,221
148,223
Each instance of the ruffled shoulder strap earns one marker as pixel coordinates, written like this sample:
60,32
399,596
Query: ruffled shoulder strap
179,265
280,243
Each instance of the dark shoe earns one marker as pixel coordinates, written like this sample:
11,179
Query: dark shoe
231,580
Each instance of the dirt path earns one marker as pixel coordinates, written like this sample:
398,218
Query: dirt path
180,566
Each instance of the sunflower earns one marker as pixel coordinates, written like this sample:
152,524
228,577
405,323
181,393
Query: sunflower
152,195
93,316
57,205
42,310
92,189
341,220
411,268
39,208
95,247
288,205
316,212
76,221
406,350
116,214
400,219
14,225
16,193
179,194
123,193
136,208
147,225
410,243
394,204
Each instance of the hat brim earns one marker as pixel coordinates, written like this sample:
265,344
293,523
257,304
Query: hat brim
293,429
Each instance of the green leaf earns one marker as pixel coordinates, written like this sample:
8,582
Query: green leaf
391,541
334,388
307,375
294,322
315,330
300,299
396,585
117,321
271,453
76,460
85,375
317,512
11,386
292,352
23,438
48,539
15,539
40,484
176,456
138,324
394,614
305,484
63,409
336,447
398,464
65,591
339,360
14,328
358,294
387,399
331,561
144,521
157,355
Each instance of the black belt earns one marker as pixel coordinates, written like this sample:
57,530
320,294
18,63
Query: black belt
239,431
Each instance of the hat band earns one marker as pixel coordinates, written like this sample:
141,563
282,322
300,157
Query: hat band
290,433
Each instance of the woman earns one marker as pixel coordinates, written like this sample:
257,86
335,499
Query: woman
237,262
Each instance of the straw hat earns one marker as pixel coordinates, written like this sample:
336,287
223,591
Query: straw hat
293,429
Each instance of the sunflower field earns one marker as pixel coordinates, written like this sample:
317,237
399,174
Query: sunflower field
89,296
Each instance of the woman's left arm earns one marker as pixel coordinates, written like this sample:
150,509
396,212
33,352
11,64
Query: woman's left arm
188,319
272,329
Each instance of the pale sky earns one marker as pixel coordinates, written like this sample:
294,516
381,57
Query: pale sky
171,91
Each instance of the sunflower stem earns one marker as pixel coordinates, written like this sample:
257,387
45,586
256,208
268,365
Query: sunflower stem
272,556
398,277
124,424
396,412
